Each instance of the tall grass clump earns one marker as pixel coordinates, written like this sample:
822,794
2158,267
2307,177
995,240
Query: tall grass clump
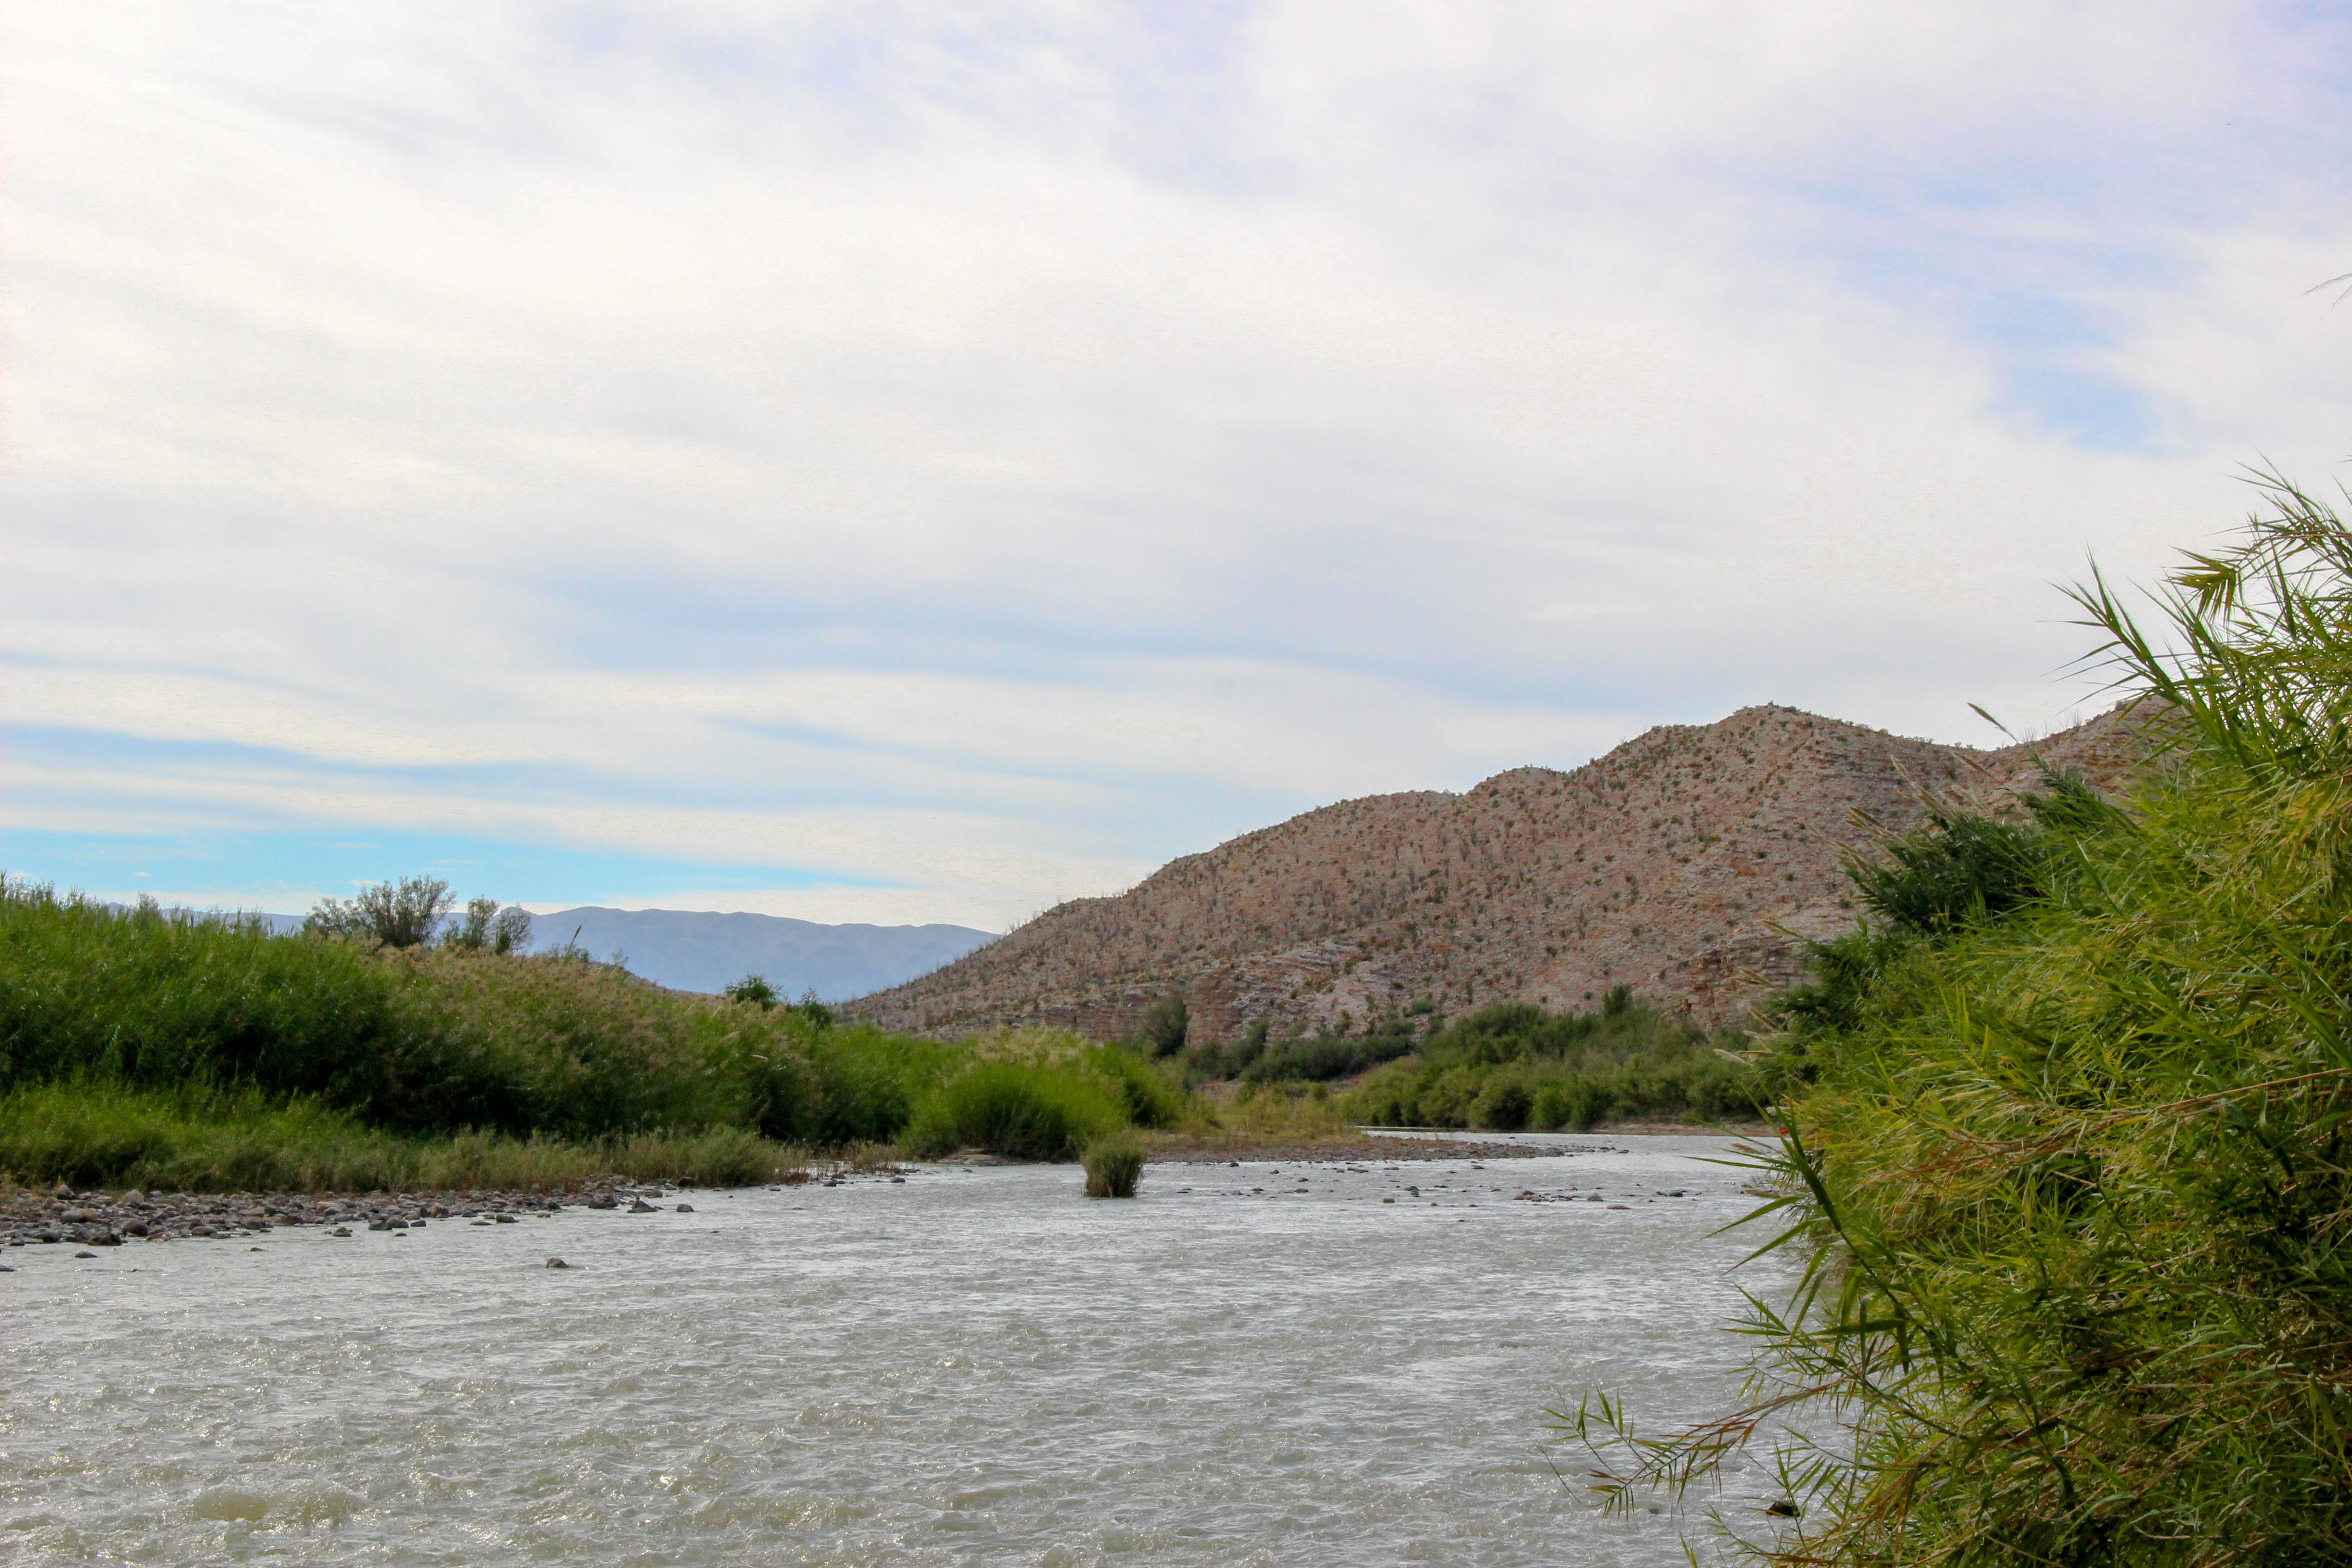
1025,1111
1114,1165
135,1031
2071,1178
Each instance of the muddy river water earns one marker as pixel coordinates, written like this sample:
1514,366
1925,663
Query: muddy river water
1263,1364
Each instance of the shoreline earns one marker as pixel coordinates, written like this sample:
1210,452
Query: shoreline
1401,1144
87,1219
90,1218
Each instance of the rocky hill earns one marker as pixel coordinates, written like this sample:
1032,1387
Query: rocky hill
1679,863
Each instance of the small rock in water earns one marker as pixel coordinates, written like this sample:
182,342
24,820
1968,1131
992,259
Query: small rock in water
85,1255
686,1209
502,1219
604,1201
639,1205
341,1230
557,1263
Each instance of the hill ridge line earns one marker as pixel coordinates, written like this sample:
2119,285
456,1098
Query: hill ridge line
1689,862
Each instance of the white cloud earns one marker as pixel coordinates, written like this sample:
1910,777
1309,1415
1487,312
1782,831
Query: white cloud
716,432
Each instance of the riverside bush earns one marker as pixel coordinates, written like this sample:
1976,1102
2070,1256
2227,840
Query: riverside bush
1025,1111
1516,1067
2072,1177
430,1041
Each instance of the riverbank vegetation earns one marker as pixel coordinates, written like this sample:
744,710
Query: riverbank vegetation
2070,1128
1516,1067
143,1047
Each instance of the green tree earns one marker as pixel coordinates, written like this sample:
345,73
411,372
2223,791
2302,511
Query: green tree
755,990
406,913
487,928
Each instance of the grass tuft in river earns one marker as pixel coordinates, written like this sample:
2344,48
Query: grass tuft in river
1114,1164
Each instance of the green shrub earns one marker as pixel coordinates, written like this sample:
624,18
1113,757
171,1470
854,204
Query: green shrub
1114,1163
1144,1092
1023,1111
1320,1058
406,913
1165,1023
1504,1105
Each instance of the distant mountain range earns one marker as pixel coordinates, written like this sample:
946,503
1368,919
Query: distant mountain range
689,950
1689,864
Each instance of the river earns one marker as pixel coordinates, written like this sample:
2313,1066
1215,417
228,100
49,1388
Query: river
964,1366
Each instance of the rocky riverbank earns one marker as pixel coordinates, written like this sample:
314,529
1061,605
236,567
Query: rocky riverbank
87,1219
1187,1149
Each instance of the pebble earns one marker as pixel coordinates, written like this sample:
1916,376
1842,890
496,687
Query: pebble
557,1263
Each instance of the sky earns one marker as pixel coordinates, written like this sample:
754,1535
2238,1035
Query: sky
906,462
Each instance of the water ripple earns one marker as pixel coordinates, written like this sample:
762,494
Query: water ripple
968,1367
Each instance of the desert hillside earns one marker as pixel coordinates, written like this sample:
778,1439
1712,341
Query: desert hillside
1677,864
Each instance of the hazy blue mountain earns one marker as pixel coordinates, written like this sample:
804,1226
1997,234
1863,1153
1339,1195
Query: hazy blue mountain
695,952
689,951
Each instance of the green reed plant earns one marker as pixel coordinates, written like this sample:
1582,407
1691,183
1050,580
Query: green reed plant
2072,1185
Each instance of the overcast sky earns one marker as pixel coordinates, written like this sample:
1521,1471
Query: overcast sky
908,462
